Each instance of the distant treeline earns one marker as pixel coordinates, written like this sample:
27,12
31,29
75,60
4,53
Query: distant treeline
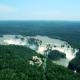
69,31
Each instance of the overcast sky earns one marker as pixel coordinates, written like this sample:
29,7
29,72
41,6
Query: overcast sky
39,9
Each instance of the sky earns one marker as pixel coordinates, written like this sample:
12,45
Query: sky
39,9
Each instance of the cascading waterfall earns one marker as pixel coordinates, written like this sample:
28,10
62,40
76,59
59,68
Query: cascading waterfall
43,41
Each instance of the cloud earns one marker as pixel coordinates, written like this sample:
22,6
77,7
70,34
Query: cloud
6,8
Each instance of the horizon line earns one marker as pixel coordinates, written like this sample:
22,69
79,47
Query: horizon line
40,20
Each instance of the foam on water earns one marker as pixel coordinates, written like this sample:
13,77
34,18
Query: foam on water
56,44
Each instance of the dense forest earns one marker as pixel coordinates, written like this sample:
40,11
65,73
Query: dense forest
75,63
14,65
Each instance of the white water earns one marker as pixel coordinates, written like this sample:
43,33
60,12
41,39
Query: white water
66,49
